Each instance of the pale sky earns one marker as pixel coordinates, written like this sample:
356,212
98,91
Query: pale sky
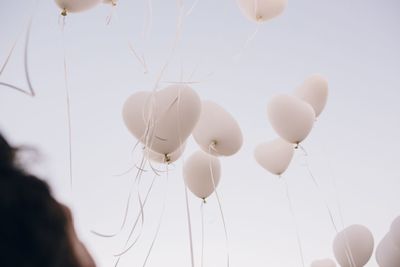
353,148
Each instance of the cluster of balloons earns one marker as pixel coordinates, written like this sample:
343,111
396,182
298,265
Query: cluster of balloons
256,10
292,117
75,6
163,120
388,250
353,247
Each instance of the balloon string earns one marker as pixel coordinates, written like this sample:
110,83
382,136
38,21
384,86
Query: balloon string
189,12
137,218
127,206
189,225
319,189
10,54
247,42
15,88
110,16
348,252
160,220
141,59
299,244
184,185
68,104
174,46
219,205
26,60
202,233
137,179
126,247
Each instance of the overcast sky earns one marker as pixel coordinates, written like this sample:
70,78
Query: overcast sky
353,150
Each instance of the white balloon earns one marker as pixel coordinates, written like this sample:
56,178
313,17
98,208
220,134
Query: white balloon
261,10
291,117
72,6
395,232
218,129
387,253
354,244
199,171
274,156
161,158
166,118
314,91
323,263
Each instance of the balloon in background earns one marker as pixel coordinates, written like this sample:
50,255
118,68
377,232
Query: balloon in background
219,129
314,91
323,263
165,159
274,156
262,10
387,253
353,244
199,171
395,232
174,112
290,117
110,2
73,6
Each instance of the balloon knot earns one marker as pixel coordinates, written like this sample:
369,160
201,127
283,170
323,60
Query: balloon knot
296,146
213,144
204,201
113,3
167,158
64,12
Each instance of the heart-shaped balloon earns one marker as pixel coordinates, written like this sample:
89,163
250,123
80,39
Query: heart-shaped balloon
274,156
314,91
291,117
323,263
162,120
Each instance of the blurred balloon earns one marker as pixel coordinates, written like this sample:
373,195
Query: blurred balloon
353,246
161,158
110,2
291,117
274,156
387,253
395,232
323,263
199,171
217,132
72,6
261,10
162,121
314,91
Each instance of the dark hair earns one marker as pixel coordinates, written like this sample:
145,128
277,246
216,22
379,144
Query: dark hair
33,225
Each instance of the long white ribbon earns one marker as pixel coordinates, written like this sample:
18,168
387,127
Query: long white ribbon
220,207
